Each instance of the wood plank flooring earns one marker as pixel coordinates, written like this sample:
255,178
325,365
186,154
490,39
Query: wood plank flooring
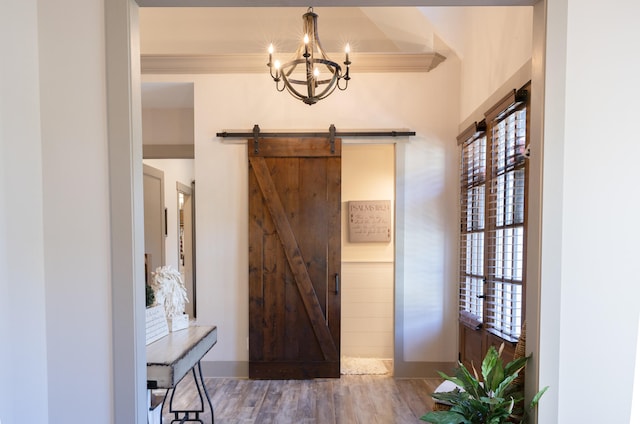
352,399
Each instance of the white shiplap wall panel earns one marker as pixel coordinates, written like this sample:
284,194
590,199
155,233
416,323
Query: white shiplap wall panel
367,309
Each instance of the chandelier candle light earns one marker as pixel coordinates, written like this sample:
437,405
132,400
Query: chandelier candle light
316,65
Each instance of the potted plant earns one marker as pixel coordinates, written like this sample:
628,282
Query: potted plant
494,400
149,296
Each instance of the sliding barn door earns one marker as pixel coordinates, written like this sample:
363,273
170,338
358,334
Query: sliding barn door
294,258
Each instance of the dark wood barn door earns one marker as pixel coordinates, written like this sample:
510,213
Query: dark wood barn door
294,259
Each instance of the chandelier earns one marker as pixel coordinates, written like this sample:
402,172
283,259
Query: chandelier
311,76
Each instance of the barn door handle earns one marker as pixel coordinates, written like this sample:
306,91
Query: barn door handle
337,277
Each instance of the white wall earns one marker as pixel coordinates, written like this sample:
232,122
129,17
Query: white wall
367,277
167,126
224,102
54,286
596,270
175,170
76,209
426,236
492,42
498,43
23,347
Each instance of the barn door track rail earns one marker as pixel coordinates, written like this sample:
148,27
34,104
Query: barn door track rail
332,134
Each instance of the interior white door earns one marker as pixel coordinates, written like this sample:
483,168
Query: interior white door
154,217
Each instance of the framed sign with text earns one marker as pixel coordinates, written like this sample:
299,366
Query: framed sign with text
369,221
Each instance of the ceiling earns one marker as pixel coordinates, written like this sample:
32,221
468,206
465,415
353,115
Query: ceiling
232,30
190,40
239,37
205,27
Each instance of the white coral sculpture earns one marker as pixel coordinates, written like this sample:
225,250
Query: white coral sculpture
169,290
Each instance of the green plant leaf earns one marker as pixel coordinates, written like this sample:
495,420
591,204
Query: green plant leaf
537,397
445,417
496,420
492,369
454,380
516,365
470,407
492,401
489,362
469,383
452,398
503,386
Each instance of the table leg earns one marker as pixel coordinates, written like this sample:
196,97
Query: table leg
185,415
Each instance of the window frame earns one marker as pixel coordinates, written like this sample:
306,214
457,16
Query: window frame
504,278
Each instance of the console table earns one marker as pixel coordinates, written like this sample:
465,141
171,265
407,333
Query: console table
170,358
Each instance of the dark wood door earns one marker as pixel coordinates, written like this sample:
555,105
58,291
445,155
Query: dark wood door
294,259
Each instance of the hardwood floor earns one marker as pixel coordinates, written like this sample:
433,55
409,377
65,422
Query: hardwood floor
352,399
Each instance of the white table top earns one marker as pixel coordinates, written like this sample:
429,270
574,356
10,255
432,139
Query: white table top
173,356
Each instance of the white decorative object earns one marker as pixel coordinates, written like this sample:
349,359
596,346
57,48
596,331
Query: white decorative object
156,321
178,322
171,293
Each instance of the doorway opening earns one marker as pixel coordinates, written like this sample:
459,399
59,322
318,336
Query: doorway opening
368,270
120,148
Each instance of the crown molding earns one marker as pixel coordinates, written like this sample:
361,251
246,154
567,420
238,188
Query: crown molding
257,63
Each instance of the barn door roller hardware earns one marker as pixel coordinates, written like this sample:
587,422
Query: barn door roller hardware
255,134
